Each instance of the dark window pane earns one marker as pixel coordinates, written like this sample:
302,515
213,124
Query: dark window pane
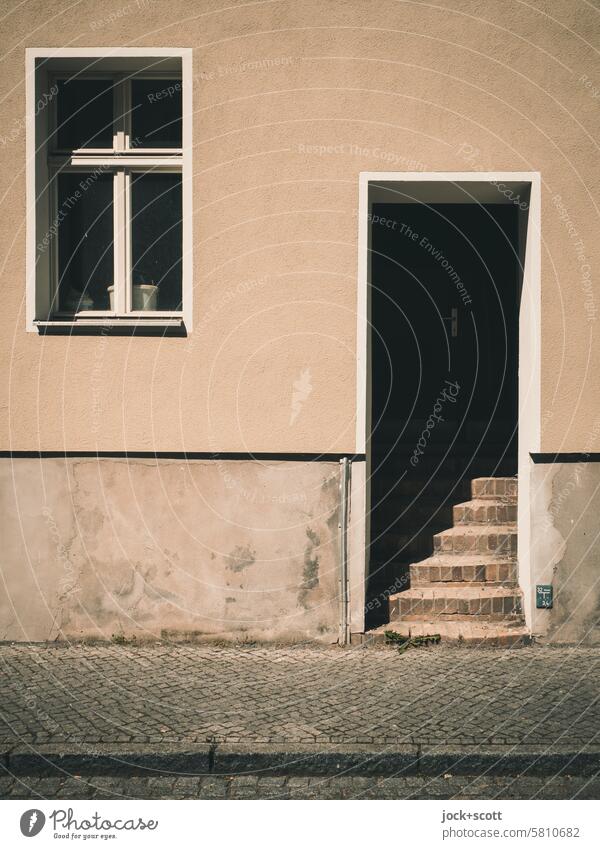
156,113
156,241
85,240
84,114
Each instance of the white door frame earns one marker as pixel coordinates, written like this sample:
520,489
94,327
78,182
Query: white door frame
529,366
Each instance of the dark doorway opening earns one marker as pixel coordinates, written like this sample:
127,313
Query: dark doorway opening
445,285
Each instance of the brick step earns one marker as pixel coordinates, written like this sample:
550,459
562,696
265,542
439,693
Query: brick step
462,631
505,489
456,600
472,568
499,540
485,511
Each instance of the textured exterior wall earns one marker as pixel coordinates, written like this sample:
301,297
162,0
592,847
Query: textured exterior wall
353,86
291,102
238,550
565,550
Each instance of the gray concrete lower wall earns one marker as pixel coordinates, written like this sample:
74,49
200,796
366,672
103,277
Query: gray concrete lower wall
96,548
134,547
566,550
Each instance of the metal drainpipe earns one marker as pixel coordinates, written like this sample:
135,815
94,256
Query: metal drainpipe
344,635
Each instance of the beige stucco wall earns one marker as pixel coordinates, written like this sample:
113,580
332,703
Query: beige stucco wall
229,549
451,86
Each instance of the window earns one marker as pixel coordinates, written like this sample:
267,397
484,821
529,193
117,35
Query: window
110,192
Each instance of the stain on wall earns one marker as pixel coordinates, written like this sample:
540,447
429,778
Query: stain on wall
240,558
310,571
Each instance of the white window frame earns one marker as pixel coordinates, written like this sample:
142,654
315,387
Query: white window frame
123,161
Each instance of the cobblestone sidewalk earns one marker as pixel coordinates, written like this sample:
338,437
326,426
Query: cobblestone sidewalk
168,694
293,787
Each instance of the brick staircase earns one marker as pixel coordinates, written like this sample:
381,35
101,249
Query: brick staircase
467,590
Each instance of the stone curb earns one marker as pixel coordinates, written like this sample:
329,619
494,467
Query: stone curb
317,759
301,760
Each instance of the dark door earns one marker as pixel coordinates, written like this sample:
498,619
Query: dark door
444,314
444,329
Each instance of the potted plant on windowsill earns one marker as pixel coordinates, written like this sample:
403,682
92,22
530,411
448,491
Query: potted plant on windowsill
78,301
144,295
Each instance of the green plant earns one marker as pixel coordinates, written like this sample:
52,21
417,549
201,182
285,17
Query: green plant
403,643
121,639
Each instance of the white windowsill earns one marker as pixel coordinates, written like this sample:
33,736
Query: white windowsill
110,323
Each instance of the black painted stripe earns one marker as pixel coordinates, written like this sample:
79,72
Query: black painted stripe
584,457
186,455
